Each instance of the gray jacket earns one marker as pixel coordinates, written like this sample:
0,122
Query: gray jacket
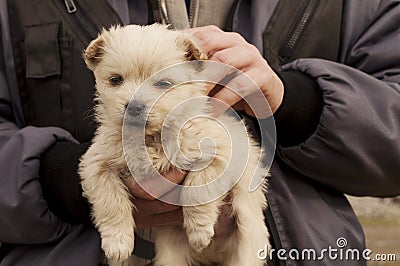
355,148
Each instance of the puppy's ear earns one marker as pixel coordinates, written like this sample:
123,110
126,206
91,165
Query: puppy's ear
93,53
191,51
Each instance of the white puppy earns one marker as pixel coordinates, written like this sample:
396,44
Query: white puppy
122,58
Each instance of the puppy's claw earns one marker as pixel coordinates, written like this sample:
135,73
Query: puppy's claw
201,238
119,248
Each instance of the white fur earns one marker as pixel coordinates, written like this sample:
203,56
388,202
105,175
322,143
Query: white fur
136,53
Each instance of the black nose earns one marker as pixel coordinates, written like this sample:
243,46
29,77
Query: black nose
135,108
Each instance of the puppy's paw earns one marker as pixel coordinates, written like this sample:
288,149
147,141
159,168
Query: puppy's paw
201,238
119,247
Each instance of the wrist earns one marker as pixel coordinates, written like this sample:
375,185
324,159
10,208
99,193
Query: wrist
298,114
278,95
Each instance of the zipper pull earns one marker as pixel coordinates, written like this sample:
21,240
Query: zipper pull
71,7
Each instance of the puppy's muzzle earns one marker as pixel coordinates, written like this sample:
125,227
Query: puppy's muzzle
135,114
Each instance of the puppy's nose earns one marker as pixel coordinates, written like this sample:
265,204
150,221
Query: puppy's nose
135,108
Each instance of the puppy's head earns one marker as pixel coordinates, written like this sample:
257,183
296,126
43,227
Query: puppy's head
122,58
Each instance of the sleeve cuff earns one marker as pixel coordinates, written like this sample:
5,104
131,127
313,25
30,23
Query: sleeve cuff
61,182
298,116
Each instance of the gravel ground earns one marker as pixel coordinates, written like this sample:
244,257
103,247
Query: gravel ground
381,222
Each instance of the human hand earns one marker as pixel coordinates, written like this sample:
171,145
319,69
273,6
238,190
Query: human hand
151,212
232,49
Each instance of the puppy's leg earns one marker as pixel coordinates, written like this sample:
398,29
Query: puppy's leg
172,248
199,224
111,206
252,233
199,221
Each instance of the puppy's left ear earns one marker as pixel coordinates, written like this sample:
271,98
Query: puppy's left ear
93,53
191,51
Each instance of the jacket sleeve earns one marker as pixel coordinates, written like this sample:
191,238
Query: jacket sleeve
356,146
25,215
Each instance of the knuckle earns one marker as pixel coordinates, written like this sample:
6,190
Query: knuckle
221,57
213,28
252,47
252,51
201,37
237,37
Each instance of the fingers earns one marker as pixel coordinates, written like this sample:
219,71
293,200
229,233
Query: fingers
156,188
153,186
257,90
175,176
163,214
226,223
240,56
150,212
153,213
157,213
135,190
233,50
151,207
235,91
174,217
211,39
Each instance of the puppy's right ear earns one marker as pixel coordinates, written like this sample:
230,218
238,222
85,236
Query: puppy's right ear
192,52
93,53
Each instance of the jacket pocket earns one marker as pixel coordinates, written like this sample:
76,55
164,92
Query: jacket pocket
42,50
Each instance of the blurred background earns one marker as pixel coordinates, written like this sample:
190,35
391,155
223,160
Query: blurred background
381,221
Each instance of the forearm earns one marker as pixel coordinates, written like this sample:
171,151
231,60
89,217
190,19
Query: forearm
61,182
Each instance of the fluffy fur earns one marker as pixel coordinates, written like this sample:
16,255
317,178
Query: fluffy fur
136,53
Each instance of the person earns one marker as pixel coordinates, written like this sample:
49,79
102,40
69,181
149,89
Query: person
329,69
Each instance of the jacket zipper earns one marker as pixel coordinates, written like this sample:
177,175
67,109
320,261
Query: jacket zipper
274,236
163,8
192,12
295,35
83,22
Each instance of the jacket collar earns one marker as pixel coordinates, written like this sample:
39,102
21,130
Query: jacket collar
201,13
251,18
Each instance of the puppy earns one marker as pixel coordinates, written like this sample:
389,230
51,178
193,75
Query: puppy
122,58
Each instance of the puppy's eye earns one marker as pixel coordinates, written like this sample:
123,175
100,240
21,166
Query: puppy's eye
116,80
163,84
